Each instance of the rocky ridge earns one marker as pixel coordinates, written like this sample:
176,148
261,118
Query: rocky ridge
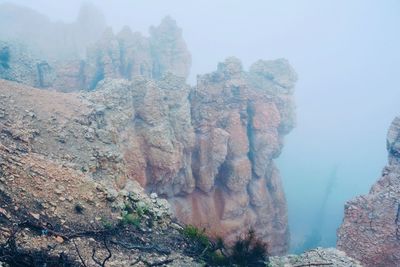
370,231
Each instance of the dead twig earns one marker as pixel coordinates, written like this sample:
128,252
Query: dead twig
67,236
314,264
79,254
102,264
143,248
157,263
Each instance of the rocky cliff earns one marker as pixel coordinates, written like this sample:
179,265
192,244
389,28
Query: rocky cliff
239,119
129,116
371,227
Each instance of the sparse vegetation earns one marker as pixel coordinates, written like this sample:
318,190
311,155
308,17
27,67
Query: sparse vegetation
142,209
247,251
131,219
107,224
195,234
135,215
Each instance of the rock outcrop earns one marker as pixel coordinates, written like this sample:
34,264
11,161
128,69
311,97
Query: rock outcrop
128,55
58,205
370,231
125,55
208,149
239,123
316,257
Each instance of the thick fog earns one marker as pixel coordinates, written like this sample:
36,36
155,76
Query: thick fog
346,54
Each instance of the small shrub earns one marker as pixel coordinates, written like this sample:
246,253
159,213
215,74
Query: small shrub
106,224
127,208
249,251
195,234
79,208
216,258
142,210
131,219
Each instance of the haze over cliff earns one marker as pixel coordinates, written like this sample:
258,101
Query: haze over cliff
346,55
122,115
138,114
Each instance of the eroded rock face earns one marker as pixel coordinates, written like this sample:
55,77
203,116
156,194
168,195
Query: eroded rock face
370,231
208,149
239,123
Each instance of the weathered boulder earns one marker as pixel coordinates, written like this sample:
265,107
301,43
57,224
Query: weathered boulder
370,231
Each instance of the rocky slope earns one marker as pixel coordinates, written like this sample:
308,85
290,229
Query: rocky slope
371,227
54,210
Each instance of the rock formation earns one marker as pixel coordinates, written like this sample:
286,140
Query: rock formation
56,199
130,116
126,55
239,122
51,40
370,231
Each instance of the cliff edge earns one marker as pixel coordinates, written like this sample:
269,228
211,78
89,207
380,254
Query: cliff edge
370,231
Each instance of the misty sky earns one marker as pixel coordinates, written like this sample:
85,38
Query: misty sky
346,54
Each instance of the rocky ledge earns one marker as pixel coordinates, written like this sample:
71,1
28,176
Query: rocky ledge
318,257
